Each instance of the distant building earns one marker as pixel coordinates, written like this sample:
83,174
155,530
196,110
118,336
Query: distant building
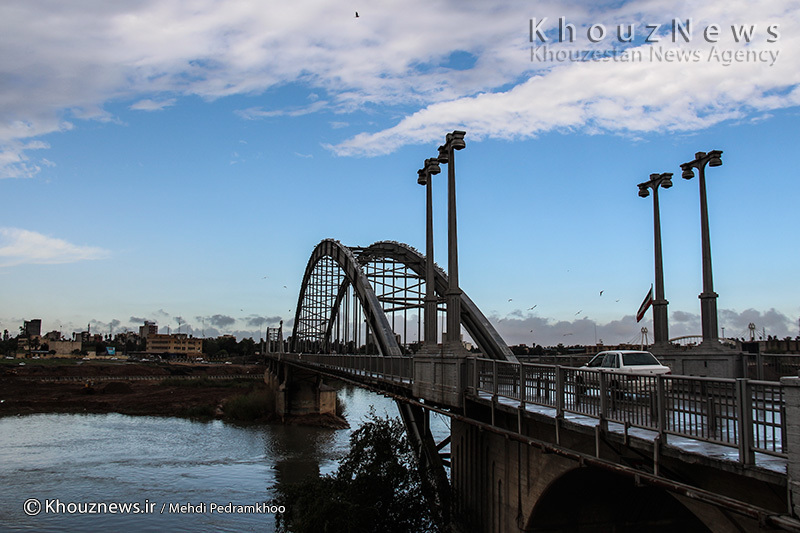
149,328
600,347
175,344
126,336
33,328
52,336
86,337
64,348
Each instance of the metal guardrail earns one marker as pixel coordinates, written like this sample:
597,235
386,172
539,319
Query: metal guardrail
391,368
739,413
771,366
158,377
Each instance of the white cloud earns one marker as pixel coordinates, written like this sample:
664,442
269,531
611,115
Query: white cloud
255,113
153,105
69,60
518,328
19,247
771,323
15,163
617,97
522,328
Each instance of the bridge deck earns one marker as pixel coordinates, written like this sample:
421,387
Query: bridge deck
700,416
685,444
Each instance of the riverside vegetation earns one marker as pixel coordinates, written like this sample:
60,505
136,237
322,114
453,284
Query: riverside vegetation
377,487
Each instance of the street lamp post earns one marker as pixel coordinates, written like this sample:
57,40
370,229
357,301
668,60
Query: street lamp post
660,321
454,141
708,298
431,302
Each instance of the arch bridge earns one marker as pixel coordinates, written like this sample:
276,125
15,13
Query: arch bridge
543,447
362,299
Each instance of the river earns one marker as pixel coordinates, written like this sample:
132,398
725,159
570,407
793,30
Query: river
182,474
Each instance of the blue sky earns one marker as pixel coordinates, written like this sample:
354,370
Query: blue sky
180,160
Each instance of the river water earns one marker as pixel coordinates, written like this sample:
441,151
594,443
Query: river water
62,464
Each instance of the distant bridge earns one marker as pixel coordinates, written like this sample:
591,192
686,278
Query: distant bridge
687,340
543,447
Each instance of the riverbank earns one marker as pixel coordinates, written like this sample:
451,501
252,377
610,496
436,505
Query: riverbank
230,392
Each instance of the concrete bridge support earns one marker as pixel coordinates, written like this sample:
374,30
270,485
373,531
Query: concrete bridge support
500,484
299,392
439,376
503,484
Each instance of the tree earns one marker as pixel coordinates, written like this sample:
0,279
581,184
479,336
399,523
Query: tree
210,347
247,347
25,334
519,349
8,347
377,487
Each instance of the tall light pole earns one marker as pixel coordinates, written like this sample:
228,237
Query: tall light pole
431,302
708,298
454,141
660,322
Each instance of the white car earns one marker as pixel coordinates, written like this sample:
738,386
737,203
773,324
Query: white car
631,366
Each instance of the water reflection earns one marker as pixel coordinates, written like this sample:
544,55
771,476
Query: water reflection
298,451
117,458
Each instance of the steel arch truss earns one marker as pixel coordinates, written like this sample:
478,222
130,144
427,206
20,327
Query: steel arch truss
382,280
332,274
479,328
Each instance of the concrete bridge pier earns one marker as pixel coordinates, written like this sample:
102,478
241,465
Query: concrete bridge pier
299,392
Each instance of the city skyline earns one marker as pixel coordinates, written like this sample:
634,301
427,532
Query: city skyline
170,161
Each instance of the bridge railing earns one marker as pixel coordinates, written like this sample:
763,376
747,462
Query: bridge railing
740,413
395,368
745,414
771,366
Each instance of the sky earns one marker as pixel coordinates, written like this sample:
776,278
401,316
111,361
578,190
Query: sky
178,161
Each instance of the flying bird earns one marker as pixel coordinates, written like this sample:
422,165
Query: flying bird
510,299
532,308
601,292
356,14
616,300
579,312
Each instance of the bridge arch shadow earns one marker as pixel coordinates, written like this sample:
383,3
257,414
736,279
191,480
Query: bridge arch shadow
593,501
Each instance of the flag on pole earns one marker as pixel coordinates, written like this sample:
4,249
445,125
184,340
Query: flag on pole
648,301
